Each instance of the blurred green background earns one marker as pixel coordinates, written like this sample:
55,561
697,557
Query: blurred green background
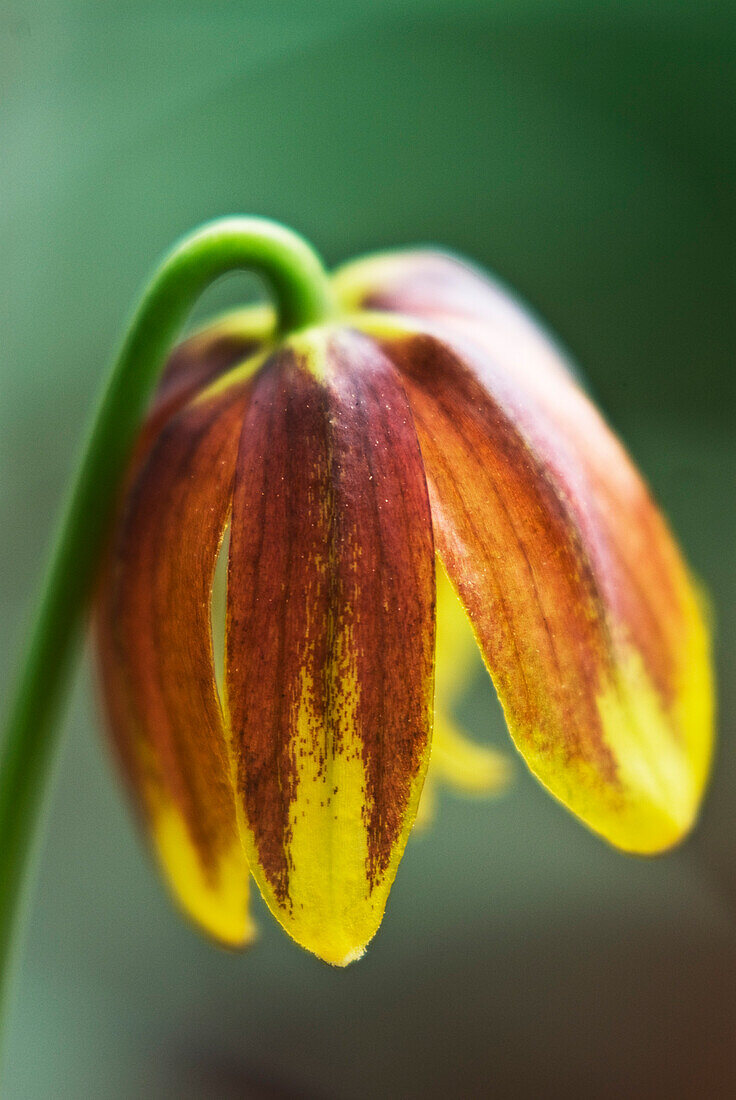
587,153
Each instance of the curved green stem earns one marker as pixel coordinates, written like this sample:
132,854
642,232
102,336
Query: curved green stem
302,294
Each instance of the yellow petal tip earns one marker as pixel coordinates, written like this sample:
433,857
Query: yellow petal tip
216,902
663,754
352,956
336,947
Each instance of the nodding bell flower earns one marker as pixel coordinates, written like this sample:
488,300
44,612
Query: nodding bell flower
429,437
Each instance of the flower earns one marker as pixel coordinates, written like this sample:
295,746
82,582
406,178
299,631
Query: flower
430,420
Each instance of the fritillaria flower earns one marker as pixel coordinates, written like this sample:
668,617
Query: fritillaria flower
430,436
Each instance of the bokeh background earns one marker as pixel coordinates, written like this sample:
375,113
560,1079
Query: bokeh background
587,153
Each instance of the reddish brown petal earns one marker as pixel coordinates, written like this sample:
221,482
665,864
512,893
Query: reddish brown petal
157,660
330,636
640,568
580,601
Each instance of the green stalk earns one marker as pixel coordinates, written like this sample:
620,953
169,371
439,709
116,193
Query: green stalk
302,297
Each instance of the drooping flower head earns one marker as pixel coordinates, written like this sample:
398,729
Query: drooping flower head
432,421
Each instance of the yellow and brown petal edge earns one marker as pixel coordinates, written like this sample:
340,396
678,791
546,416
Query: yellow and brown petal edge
583,609
330,636
154,632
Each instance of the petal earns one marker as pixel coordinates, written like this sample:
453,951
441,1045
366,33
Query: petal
457,761
157,660
214,352
583,608
427,808
420,283
206,356
446,289
330,642
463,764
457,649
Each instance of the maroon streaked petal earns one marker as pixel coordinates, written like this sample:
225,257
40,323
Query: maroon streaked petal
330,641
580,601
563,426
153,618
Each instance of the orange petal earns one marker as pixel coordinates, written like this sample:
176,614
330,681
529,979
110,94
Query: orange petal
157,659
330,644
580,601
